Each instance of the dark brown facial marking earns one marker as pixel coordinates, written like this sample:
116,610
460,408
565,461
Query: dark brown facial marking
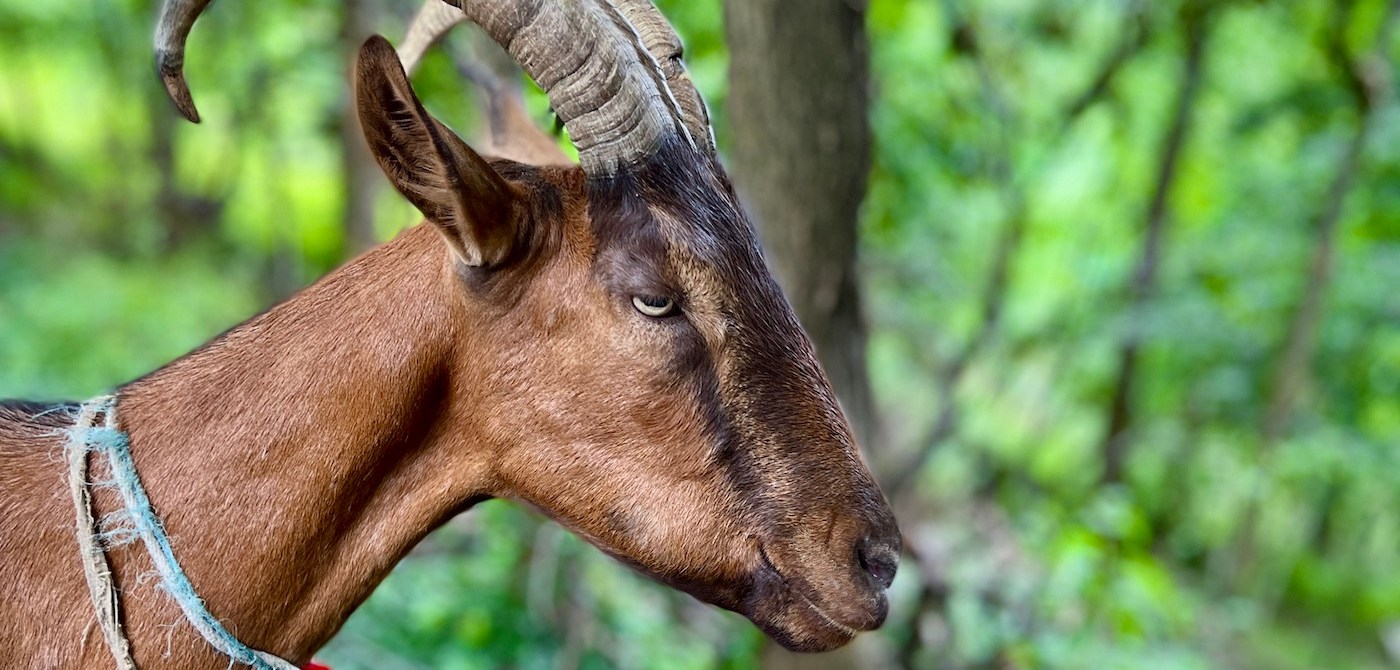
774,429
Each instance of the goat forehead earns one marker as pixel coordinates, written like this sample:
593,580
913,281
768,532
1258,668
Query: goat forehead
716,240
701,237
701,217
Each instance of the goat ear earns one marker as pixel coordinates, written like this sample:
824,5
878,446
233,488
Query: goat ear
478,211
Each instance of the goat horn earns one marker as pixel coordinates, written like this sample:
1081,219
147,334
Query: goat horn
600,81
587,56
173,28
665,46
435,19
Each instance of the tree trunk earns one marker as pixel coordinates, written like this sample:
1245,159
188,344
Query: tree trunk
800,155
359,174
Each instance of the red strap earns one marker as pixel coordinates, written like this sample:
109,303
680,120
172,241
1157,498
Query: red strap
315,666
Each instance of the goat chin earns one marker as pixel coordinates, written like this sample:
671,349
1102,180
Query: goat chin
787,609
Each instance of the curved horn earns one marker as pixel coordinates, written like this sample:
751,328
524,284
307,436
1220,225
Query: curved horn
513,134
172,29
586,55
434,20
599,80
665,46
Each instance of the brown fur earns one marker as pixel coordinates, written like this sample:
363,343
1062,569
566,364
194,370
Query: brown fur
297,458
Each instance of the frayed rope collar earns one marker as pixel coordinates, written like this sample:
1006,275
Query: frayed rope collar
95,431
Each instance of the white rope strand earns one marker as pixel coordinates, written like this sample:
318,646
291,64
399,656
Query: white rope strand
95,568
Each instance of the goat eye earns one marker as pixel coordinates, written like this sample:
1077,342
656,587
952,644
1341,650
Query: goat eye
653,305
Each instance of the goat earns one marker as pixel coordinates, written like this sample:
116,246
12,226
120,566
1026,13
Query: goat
603,341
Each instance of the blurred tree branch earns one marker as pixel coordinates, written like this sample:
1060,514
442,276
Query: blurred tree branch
1130,43
1368,79
1012,187
1195,24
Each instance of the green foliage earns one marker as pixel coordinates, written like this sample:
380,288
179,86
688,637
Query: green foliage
1219,539
1220,548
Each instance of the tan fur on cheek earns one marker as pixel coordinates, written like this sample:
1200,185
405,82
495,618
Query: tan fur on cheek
626,458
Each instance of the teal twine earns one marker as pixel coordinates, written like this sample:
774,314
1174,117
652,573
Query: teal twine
116,445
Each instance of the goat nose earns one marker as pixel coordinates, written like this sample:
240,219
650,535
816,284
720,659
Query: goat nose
879,558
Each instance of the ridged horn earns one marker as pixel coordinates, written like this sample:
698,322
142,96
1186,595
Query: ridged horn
660,38
437,18
599,80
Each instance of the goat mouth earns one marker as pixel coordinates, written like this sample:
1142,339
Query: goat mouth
842,632
826,618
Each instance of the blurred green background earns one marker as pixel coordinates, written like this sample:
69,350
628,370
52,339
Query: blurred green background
1131,276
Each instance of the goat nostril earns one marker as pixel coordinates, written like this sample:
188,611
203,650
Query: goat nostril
879,560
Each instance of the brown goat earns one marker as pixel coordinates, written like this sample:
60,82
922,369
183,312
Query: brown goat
604,342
